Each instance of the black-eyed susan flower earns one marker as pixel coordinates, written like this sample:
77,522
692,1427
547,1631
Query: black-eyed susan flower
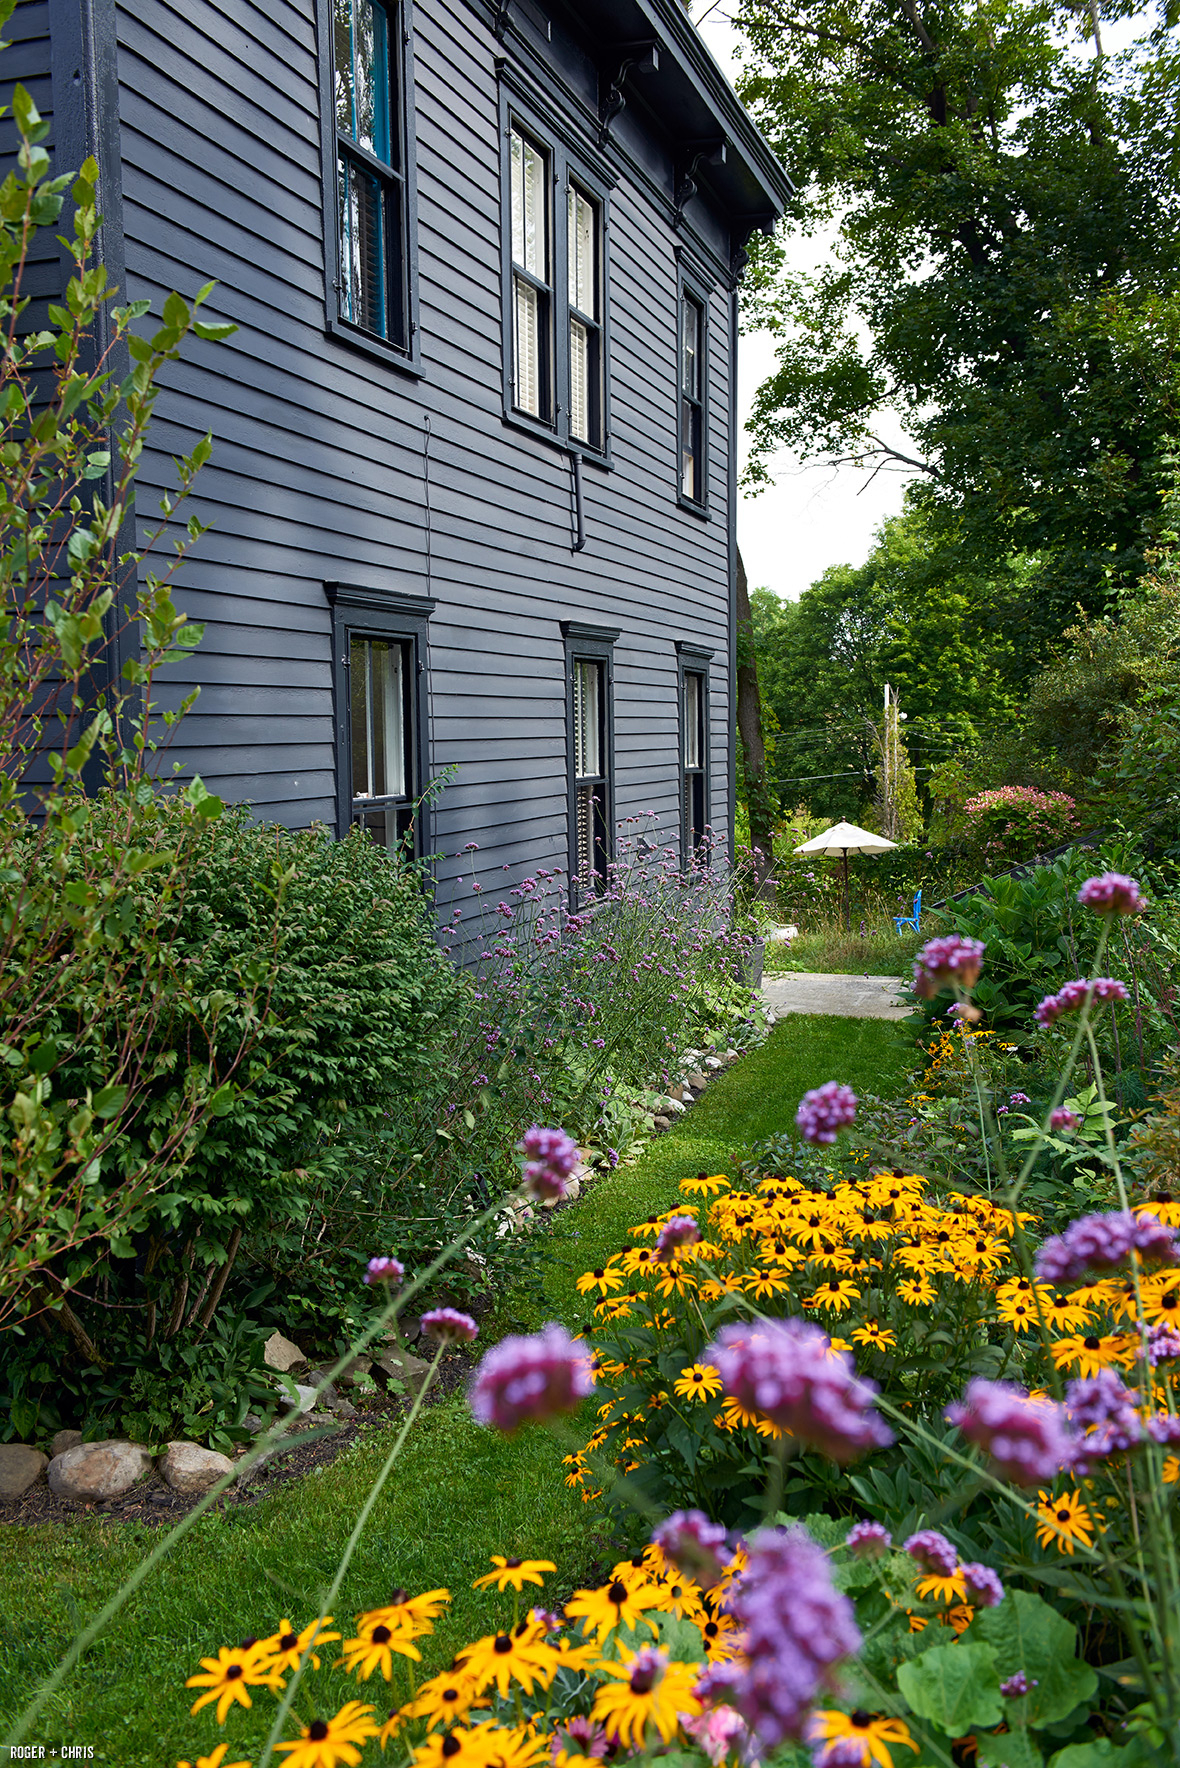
617,1604
871,1332
513,1746
722,1636
699,1381
681,1597
713,1288
332,1743
1019,1312
1091,1354
215,1759
461,1747
765,1285
1064,1521
959,1618
374,1648
917,1292
444,1699
514,1573
704,1185
937,1588
643,1566
1161,1298
734,1416
230,1675
500,1659
285,1648
1066,1315
601,1281
402,1611
835,1296
647,1689
874,1732
1170,1471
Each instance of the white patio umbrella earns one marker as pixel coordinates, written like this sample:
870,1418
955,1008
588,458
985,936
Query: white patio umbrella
845,838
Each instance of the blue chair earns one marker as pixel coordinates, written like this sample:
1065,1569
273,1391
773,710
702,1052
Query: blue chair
910,920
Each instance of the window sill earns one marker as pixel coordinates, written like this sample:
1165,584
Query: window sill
543,432
368,345
694,508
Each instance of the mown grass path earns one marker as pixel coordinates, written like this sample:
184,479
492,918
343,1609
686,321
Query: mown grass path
458,1493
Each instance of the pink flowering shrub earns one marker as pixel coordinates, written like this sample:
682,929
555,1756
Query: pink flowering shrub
1013,823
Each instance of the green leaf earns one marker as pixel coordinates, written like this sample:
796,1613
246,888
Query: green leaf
108,1102
42,1059
955,1687
1008,1749
1099,1754
1027,1634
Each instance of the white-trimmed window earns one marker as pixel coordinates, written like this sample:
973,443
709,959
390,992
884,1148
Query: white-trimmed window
532,278
693,763
379,645
372,191
692,403
583,250
591,782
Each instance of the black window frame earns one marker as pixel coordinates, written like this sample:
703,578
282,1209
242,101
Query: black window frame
690,288
399,185
692,660
591,644
566,165
365,613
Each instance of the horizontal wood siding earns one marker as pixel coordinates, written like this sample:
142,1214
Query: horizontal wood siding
330,466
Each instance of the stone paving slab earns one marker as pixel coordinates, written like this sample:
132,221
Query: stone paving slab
854,997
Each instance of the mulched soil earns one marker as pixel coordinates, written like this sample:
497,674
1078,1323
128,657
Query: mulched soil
152,1501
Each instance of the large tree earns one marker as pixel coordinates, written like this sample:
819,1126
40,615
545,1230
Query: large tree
1005,200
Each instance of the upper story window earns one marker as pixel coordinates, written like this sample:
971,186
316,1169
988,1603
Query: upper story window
692,397
371,172
556,331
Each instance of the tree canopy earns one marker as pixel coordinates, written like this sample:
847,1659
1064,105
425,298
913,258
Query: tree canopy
1005,276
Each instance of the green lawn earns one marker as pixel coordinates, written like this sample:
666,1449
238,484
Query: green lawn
458,1493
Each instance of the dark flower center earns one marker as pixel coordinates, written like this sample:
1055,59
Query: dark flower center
451,1745
617,1594
381,1635
637,1560
288,1642
317,1730
503,1643
248,1643
861,1719
1092,1343
234,1671
711,1629
1170,1301
1063,1516
450,1694
511,1564
398,1597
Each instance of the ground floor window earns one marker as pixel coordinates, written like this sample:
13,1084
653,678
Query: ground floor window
591,755
694,751
380,666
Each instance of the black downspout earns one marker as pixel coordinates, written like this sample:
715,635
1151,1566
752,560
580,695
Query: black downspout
579,504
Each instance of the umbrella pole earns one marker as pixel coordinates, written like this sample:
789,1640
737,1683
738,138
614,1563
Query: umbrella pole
847,922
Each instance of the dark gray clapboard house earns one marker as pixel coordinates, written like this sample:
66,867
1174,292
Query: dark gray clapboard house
472,485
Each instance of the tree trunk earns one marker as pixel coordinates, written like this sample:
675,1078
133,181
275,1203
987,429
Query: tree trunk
749,723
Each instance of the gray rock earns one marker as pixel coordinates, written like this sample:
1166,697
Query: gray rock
99,1470
573,1186
676,1093
63,1440
402,1365
698,1081
713,1062
354,1372
279,1353
190,1469
306,1396
662,1123
21,1466
673,1105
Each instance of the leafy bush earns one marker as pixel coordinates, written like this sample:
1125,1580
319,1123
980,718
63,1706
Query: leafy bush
1012,823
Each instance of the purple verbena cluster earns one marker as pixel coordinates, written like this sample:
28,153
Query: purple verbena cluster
868,1540
680,1231
449,1326
1164,1428
1064,1120
1016,1685
949,962
798,1629
694,1544
984,1588
1112,894
530,1378
1028,1440
839,1752
385,1270
787,1370
825,1111
933,1552
1072,995
550,1158
1099,1242
1163,1343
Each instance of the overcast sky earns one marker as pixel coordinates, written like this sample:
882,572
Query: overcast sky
814,516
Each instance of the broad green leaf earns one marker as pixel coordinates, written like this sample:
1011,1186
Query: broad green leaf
955,1687
109,1101
1028,1634
1099,1754
1008,1749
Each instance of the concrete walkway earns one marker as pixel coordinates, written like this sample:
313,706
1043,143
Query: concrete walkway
855,997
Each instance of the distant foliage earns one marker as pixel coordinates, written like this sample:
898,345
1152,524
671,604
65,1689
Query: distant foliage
1013,823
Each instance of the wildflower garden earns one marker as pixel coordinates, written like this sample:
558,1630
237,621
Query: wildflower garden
722,1391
